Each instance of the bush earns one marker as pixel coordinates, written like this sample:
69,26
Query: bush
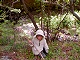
19,46
7,48
7,31
3,41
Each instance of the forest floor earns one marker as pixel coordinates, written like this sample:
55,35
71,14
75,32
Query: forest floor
68,50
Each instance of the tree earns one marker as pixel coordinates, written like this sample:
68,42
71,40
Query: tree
30,15
57,6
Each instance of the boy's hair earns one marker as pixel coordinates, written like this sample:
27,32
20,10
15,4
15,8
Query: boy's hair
39,35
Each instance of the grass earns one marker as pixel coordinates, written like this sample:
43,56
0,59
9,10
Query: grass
61,51
57,50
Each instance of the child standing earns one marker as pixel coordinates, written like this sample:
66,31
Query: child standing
40,47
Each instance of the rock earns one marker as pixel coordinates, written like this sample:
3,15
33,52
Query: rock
5,58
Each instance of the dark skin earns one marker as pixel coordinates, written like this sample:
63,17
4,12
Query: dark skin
39,37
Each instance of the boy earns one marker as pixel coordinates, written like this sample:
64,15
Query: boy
40,47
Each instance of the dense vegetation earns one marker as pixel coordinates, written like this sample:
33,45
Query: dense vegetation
54,16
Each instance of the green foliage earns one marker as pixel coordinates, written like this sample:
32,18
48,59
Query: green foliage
37,0
76,2
55,51
78,30
0,11
64,22
0,1
67,1
7,48
11,42
3,15
19,46
3,41
76,48
7,32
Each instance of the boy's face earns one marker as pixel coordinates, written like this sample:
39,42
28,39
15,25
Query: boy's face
39,37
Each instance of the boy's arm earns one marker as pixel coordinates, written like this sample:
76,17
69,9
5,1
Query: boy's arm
46,46
29,41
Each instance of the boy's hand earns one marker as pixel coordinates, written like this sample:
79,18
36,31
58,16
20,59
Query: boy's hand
30,43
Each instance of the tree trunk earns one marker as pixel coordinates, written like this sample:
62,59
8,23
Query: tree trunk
30,15
75,15
33,21
72,10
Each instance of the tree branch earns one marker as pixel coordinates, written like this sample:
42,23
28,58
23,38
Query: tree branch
72,10
14,3
61,22
30,15
78,17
